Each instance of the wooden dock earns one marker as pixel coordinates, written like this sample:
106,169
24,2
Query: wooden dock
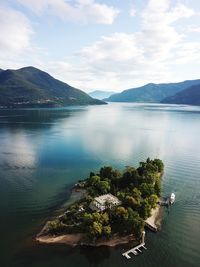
164,202
152,227
135,251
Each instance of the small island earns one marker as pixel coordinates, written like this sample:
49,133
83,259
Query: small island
112,209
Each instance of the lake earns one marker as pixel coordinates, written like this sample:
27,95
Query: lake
44,152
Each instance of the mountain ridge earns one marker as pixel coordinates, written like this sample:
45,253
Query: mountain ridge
151,92
189,96
30,87
101,94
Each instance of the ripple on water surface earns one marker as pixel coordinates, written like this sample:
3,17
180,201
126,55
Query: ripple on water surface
41,157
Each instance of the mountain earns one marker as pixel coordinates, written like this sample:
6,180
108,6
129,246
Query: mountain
1,70
31,87
189,96
151,92
98,94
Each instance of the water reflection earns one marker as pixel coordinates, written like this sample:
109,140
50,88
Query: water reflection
43,152
37,137
95,256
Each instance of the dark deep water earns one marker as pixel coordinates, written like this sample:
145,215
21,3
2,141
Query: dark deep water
43,152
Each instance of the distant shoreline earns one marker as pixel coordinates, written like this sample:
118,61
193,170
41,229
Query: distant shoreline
43,106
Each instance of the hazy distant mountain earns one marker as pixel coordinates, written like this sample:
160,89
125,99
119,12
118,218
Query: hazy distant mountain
32,87
189,96
101,94
151,92
1,70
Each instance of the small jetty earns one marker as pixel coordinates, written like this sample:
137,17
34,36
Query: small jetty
151,226
136,250
164,202
150,223
167,201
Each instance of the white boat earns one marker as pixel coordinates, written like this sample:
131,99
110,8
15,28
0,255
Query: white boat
172,198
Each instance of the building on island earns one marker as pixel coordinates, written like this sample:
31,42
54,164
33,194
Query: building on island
103,202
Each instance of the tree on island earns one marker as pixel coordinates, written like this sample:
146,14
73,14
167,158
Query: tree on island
137,189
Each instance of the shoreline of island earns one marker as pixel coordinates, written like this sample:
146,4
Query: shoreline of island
81,238
78,239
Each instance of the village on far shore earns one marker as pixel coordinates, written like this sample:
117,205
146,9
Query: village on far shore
113,207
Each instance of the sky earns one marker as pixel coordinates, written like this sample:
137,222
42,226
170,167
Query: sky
103,44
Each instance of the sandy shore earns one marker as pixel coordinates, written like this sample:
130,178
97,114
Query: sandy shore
70,239
116,240
78,239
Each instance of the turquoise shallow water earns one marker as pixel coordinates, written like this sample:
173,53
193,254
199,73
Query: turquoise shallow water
43,152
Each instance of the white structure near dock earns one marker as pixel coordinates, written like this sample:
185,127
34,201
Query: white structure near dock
172,198
104,201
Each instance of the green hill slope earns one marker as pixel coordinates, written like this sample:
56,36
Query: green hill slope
29,87
189,96
152,93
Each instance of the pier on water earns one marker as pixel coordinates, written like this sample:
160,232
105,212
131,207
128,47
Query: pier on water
136,250
165,202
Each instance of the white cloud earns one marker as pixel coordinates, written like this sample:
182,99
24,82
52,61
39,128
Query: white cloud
82,11
123,60
132,12
159,36
187,52
193,28
154,53
180,11
117,47
15,31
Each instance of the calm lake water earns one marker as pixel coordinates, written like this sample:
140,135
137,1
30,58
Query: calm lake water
43,152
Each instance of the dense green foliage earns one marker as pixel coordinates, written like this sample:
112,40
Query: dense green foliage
189,96
151,92
138,190
32,87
